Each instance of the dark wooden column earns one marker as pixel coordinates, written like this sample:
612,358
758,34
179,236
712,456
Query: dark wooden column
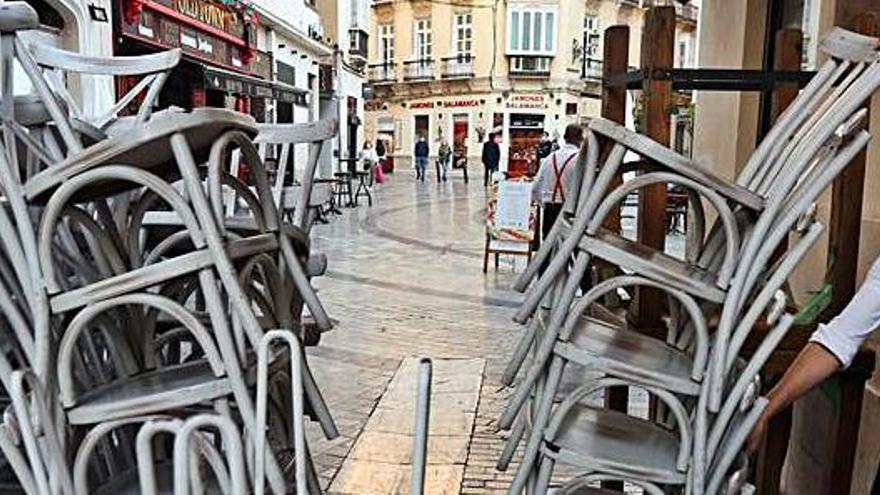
658,40
615,62
843,256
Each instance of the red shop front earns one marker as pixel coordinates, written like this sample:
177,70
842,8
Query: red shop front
221,65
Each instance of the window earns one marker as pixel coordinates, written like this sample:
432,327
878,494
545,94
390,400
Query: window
386,43
464,31
592,36
684,53
531,32
423,39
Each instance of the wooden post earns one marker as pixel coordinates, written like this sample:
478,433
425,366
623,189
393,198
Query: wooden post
658,40
844,234
615,62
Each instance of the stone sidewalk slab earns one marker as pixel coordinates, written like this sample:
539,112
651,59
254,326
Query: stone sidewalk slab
380,461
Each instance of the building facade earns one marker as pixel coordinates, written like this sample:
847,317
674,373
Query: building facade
458,71
347,28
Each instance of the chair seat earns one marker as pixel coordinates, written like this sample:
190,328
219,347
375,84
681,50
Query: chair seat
630,355
655,264
613,442
240,224
165,389
148,147
677,163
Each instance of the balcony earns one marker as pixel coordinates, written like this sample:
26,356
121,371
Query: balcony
358,43
530,66
688,12
458,67
593,69
384,73
684,11
418,70
628,3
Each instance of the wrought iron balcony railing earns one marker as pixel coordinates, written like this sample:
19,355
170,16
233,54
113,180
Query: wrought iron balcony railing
418,70
458,67
530,65
383,73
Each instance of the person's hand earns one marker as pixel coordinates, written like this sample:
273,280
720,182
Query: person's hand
756,437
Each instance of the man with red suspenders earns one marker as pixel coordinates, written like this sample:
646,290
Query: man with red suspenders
553,180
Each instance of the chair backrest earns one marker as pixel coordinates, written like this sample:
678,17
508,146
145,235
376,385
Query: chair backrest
154,68
849,57
42,462
283,137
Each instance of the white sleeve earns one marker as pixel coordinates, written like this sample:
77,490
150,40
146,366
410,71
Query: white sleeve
538,185
843,335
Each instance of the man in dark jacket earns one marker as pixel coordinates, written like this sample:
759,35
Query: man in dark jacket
491,157
421,153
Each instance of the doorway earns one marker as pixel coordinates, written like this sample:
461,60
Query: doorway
460,131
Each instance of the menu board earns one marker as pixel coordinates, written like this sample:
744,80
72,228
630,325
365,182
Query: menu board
510,214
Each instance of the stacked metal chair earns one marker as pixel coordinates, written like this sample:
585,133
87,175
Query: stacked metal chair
134,304
705,389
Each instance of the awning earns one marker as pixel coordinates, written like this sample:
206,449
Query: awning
243,84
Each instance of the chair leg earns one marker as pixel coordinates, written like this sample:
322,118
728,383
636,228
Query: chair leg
516,435
544,401
545,471
519,353
319,406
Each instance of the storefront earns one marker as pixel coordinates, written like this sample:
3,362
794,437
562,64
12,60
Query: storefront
465,122
221,66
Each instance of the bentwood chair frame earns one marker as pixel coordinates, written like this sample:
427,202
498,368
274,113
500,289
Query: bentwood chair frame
790,170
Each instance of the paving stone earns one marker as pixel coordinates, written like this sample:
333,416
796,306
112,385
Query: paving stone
397,448
376,478
402,421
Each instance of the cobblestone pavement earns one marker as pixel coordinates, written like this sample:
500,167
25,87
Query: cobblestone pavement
405,280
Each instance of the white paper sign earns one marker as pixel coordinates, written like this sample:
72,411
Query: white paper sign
514,205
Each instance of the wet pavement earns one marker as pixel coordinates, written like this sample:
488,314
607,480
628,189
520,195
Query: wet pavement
405,281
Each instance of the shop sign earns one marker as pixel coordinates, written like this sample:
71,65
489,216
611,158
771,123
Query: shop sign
535,101
458,103
416,105
212,14
204,30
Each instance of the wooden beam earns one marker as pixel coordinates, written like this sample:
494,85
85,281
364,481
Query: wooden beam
615,62
658,40
844,235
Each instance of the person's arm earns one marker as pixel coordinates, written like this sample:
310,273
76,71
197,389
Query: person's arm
812,366
832,347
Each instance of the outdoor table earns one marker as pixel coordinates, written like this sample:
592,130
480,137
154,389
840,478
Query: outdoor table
363,189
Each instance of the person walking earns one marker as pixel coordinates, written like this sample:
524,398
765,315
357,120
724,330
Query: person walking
553,180
831,348
380,152
491,157
421,153
444,154
369,158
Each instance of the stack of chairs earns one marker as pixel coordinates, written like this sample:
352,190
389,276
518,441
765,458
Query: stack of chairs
705,389
134,304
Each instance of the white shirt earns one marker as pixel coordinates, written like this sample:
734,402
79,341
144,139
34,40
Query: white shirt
545,181
845,333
